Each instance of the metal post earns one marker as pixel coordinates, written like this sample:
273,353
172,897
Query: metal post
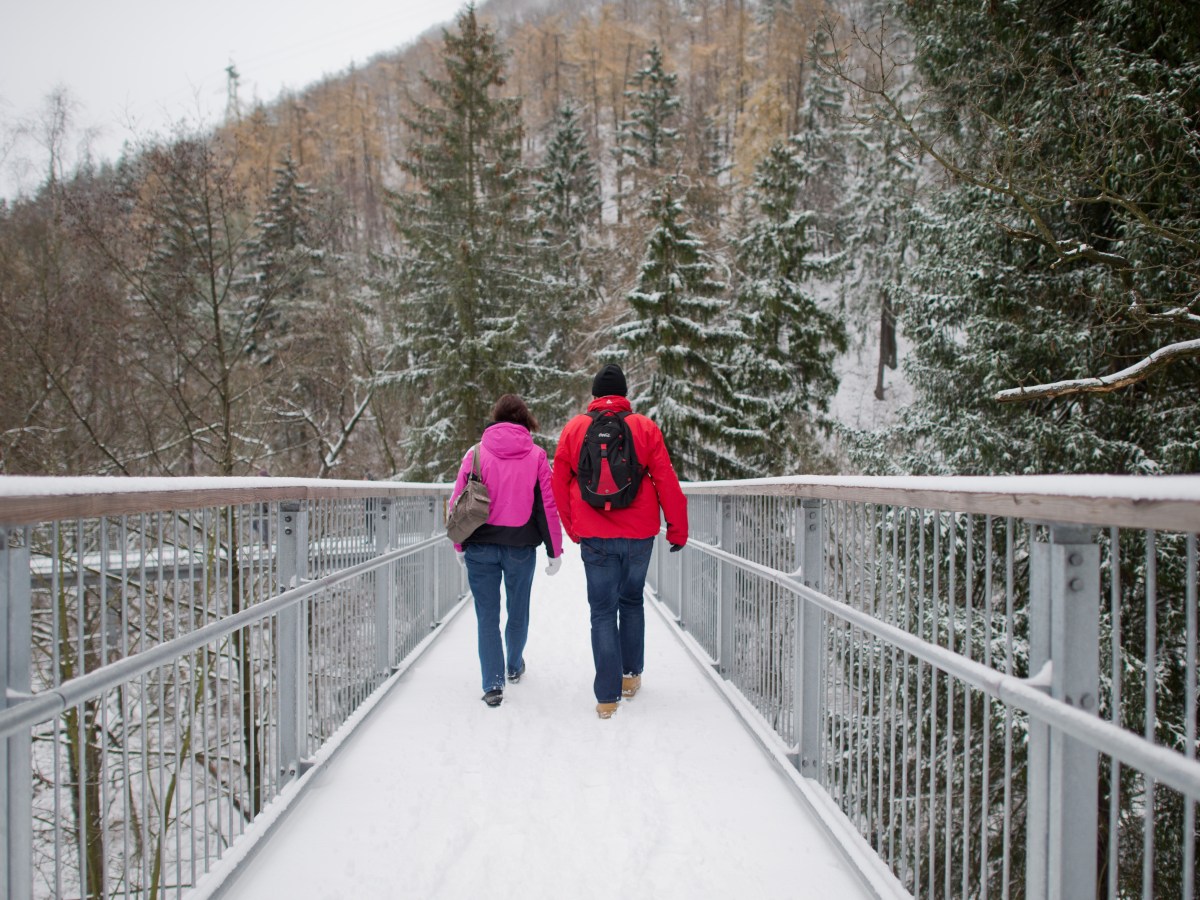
16,753
293,643
806,690
437,554
725,590
1062,820
385,589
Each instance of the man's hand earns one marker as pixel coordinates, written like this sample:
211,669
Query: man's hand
553,565
675,548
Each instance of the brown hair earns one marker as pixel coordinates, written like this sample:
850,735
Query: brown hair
511,408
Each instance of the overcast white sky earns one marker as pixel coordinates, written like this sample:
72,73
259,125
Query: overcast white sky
134,67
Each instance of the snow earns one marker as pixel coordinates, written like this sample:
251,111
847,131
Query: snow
1150,488
72,486
439,796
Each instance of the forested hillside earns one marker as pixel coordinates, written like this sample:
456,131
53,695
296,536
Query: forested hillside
745,202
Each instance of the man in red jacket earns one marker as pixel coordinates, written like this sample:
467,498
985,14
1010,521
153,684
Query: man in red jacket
616,543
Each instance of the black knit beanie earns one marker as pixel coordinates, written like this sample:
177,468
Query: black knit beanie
609,380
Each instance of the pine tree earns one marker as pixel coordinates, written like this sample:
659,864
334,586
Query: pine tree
681,335
567,186
822,135
284,259
647,147
466,254
566,208
783,370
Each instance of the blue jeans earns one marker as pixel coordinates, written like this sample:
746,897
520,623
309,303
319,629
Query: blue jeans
486,565
616,577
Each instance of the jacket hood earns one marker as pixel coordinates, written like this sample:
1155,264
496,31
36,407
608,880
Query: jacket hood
615,402
507,440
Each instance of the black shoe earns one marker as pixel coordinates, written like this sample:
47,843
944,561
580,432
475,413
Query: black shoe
493,697
514,677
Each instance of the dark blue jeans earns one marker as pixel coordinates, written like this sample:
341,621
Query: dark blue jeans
487,564
616,577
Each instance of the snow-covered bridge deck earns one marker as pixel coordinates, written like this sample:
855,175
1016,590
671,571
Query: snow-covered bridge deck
436,795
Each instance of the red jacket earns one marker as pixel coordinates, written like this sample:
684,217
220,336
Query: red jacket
660,487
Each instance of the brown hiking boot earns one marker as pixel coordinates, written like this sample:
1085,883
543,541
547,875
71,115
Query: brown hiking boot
606,710
630,685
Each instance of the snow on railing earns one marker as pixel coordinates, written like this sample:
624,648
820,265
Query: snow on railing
960,663
175,650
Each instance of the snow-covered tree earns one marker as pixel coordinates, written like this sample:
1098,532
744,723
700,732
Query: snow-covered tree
466,253
284,258
681,337
567,186
1083,123
783,369
566,210
648,140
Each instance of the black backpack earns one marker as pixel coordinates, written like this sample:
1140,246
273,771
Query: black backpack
609,472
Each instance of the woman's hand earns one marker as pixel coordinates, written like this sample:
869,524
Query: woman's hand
553,565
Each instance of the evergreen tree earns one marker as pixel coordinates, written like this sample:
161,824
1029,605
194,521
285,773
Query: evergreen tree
822,134
566,200
467,246
1083,121
647,145
783,370
681,334
567,186
981,309
284,259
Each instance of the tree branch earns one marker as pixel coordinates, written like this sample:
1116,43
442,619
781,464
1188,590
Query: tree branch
1160,358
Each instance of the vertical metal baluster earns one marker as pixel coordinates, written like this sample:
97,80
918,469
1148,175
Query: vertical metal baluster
58,627
80,709
968,625
905,720
933,700
1189,807
101,702
180,548
1116,670
985,813
888,726
951,630
207,676
1151,713
123,696
870,606
856,682
144,632
1009,669
919,669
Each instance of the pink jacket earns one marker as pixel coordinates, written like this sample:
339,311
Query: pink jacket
510,465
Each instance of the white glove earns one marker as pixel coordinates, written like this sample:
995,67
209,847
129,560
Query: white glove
462,559
553,565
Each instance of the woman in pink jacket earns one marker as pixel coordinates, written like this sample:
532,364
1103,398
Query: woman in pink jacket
522,514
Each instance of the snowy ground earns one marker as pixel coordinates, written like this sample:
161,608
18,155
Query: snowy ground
438,796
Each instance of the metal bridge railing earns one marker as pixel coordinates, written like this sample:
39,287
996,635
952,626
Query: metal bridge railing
174,650
994,679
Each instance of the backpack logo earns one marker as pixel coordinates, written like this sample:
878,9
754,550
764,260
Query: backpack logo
609,472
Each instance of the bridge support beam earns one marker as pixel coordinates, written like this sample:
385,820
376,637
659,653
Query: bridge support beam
1064,631
16,752
293,640
809,649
